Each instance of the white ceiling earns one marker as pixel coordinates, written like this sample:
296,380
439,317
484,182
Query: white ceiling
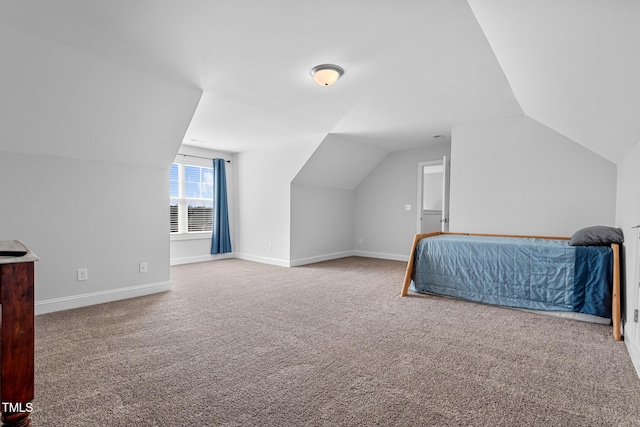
413,68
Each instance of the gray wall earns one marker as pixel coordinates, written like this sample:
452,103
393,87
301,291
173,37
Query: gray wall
386,230
323,197
263,179
322,220
85,149
516,176
85,214
331,222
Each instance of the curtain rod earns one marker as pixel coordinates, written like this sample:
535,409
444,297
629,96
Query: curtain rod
199,157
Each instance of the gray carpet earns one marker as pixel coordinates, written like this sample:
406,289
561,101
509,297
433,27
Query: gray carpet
238,343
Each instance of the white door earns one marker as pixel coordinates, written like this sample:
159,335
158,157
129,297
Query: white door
631,318
445,194
433,196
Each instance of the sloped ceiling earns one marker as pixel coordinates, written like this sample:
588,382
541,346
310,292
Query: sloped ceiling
573,65
334,164
58,101
413,68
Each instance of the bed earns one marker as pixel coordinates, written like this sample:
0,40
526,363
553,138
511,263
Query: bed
568,277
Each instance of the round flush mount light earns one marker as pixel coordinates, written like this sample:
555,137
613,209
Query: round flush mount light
326,74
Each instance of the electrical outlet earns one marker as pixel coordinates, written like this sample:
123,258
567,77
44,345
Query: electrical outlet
270,246
83,274
407,207
144,267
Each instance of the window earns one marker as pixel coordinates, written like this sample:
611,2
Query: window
191,198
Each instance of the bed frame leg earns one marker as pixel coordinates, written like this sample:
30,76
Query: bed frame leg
615,298
411,263
407,274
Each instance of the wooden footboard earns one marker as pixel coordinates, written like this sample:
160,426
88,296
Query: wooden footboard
409,272
615,294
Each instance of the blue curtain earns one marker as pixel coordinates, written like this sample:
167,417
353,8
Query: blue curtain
220,239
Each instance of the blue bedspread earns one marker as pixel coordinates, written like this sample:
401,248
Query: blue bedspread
539,274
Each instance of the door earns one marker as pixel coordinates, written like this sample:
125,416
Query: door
444,220
630,318
433,196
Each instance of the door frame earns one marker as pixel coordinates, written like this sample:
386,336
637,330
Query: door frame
446,192
421,166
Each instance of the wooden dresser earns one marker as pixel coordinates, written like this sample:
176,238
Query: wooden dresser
16,333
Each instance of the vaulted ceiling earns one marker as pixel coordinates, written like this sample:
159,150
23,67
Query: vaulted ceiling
413,68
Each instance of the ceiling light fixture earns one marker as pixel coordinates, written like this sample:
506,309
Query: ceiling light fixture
326,74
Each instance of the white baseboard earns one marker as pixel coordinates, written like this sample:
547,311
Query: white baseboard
391,257
634,352
308,260
264,260
200,258
319,258
82,300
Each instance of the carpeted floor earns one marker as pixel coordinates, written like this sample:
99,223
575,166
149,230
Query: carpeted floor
238,343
